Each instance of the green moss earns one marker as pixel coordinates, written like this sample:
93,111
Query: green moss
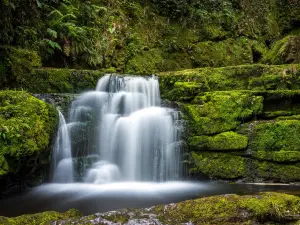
60,80
117,218
22,61
184,91
224,141
278,156
146,62
246,77
219,112
40,218
4,169
219,165
277,172
26,125
232,209
284,51
294,117
224,53
276,135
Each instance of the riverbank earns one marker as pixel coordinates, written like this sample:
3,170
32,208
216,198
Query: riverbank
262,208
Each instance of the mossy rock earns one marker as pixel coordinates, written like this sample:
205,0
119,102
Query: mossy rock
40,218
277,172
277,156
284,51
255,77
220,142
184,91
50,80
233,209
221,111
27,126
146,62
219,165
230,209
223,53
276,136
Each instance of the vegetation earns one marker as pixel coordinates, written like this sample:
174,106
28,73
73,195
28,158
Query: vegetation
276,136
220,112
114,34
223,141
27,126
263,208
40,218
219,165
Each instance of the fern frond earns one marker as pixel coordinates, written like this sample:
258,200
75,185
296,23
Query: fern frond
55,13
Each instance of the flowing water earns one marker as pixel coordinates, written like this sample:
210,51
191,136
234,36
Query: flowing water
62,156
123,124
119,149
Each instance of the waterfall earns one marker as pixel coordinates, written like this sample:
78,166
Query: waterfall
62,157
123,124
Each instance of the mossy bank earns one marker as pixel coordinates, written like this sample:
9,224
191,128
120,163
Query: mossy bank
264,208
242,121
27,127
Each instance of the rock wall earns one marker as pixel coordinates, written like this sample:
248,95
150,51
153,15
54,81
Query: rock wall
242,122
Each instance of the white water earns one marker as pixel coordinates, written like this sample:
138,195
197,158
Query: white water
62,157
123,123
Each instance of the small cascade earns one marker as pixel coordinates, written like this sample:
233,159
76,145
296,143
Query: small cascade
122,122
62,162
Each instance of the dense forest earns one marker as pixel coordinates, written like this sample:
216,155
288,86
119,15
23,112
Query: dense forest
81,115
136,36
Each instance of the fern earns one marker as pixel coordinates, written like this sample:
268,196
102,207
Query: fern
52,33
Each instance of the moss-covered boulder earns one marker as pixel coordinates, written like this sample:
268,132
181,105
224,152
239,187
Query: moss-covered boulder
228,52
27,126
276,172
60,80
262,208
255,77
284,51
224,141
219,165
219,112
276,136
277,156
40,218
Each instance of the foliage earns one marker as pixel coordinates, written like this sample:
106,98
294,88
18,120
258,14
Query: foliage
27,127
22,61
284,51
116,34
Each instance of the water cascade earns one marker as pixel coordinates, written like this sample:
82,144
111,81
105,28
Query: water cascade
62,156
122,133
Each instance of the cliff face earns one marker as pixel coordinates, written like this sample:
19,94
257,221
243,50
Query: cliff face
242,122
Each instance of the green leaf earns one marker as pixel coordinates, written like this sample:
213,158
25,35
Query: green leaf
38,4
52,33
